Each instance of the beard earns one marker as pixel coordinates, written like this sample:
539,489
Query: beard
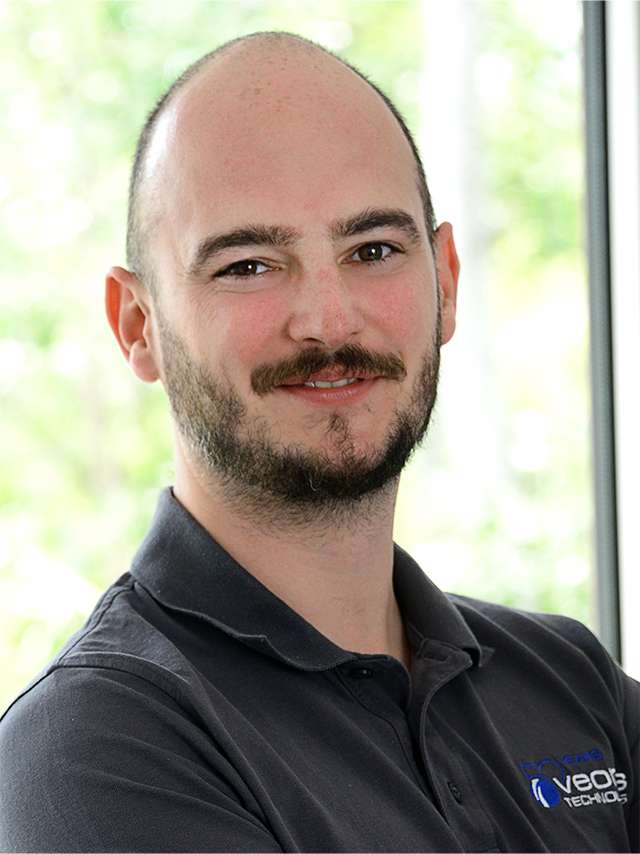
260,475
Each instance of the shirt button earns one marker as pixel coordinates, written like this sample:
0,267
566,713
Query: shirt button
455,791
361,672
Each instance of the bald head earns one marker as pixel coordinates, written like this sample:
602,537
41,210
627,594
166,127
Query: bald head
203,125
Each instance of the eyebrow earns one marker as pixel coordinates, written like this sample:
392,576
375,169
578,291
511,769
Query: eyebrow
371,218
248,235
281,236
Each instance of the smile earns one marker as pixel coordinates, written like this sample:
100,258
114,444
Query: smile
340,392
334,384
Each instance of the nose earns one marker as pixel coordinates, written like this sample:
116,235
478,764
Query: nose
324,310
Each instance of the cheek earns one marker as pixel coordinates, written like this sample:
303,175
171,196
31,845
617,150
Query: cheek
235,331
409,314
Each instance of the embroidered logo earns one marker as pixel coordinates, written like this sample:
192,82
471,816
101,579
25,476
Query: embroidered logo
553,784
545,792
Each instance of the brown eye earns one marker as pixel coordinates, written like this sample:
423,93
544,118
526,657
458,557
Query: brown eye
243,269
372,252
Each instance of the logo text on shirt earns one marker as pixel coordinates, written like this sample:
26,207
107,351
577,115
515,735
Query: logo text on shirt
553,783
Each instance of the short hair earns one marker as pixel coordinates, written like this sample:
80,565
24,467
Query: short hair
138,220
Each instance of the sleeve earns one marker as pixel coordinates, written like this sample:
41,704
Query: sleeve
614,697
631,691
101,760
624,732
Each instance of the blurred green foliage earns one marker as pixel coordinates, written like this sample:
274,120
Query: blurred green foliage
86,447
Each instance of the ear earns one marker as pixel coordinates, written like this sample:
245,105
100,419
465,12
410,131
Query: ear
448,268
129,314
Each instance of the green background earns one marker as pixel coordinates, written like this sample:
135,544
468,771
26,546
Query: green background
86,447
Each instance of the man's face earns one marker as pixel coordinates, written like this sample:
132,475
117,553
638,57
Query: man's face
240,449
294,248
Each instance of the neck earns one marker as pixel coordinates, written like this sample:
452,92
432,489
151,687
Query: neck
338,577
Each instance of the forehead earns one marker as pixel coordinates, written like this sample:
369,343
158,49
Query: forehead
288,135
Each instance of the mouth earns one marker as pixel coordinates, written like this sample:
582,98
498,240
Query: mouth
337,392
327,379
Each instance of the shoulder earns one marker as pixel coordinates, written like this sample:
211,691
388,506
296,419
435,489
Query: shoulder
99,759
124,634
551,642
72,712
518,622
118,673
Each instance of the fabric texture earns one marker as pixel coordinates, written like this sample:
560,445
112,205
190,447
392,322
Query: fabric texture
195,711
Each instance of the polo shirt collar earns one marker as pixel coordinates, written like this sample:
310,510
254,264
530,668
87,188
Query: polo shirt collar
185,569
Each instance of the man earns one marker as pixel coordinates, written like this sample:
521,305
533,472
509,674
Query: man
274,674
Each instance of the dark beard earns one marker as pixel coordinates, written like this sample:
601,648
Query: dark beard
263,477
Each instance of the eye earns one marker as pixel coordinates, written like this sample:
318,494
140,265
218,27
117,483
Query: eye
243,269
372,252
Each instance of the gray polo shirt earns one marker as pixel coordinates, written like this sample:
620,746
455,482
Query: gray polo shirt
195,711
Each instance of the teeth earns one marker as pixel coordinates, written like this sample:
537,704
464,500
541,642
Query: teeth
336,384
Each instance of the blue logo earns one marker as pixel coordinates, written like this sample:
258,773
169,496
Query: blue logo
552,783
545,792
545,776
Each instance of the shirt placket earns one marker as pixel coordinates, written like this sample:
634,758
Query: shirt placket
383,686
435,666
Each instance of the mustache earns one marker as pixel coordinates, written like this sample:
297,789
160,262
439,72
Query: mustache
352,358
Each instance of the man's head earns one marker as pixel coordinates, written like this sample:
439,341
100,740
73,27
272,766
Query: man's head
142,209
282,210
